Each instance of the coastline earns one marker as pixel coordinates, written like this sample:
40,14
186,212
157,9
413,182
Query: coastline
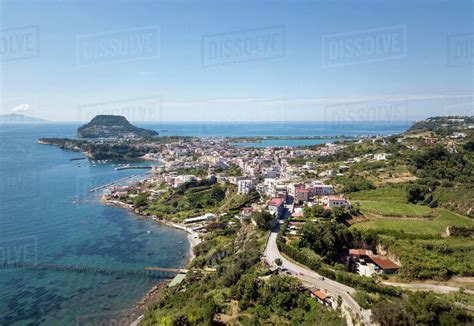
157,291
193,237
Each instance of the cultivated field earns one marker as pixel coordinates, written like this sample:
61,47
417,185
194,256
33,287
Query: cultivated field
436,225
395,209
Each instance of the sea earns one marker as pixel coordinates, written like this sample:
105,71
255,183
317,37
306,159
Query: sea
68,259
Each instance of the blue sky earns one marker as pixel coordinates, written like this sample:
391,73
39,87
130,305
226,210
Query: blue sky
299,61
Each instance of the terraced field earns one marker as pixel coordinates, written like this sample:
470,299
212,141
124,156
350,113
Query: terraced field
436,225
396,209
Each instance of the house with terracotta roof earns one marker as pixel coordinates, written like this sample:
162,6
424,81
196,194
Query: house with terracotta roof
333,201
322,296
275,206
383,264
360,253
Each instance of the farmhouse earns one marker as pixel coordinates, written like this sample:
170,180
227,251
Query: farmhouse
333,201
383,264
323,297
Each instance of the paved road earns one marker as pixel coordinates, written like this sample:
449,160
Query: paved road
313,279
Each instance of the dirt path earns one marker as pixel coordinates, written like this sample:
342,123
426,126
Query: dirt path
428,287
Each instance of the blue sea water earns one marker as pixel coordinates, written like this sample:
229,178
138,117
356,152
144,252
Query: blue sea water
48,217
293,129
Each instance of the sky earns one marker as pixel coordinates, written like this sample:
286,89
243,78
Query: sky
237,60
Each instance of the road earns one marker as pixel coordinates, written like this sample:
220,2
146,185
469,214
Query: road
313,279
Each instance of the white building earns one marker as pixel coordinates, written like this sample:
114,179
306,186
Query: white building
244,187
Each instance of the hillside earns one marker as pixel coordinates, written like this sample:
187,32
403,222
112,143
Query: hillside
438,123
113,126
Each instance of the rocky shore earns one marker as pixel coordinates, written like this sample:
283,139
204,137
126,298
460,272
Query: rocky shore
156,292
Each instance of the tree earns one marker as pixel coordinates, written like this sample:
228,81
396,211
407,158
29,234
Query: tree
326,239
414,194
339,212
263,219
140,200
278,262
388,313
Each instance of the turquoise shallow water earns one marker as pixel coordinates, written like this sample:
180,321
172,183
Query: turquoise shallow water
47,216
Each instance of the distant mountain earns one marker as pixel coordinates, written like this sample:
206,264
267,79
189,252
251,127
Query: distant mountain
14,117
113,126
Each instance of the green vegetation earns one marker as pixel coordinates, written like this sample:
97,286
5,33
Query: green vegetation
189,199
353,184
389,194
263,219
436,162
198,172
432,258
239,290
126,150
438,124
434,226
419,308
231,171
326,239
305,255
107,126
316,211
395,209
458,199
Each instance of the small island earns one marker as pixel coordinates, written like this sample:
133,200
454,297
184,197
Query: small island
113,126
107,137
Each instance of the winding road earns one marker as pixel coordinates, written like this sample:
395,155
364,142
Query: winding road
313,279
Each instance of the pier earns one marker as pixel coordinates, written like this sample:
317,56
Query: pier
112,183
167,270
157,272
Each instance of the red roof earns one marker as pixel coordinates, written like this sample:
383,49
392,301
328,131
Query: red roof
383,262
275,202
336,197
360,252
302,190
320,294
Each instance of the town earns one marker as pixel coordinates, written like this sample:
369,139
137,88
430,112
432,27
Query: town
296,195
